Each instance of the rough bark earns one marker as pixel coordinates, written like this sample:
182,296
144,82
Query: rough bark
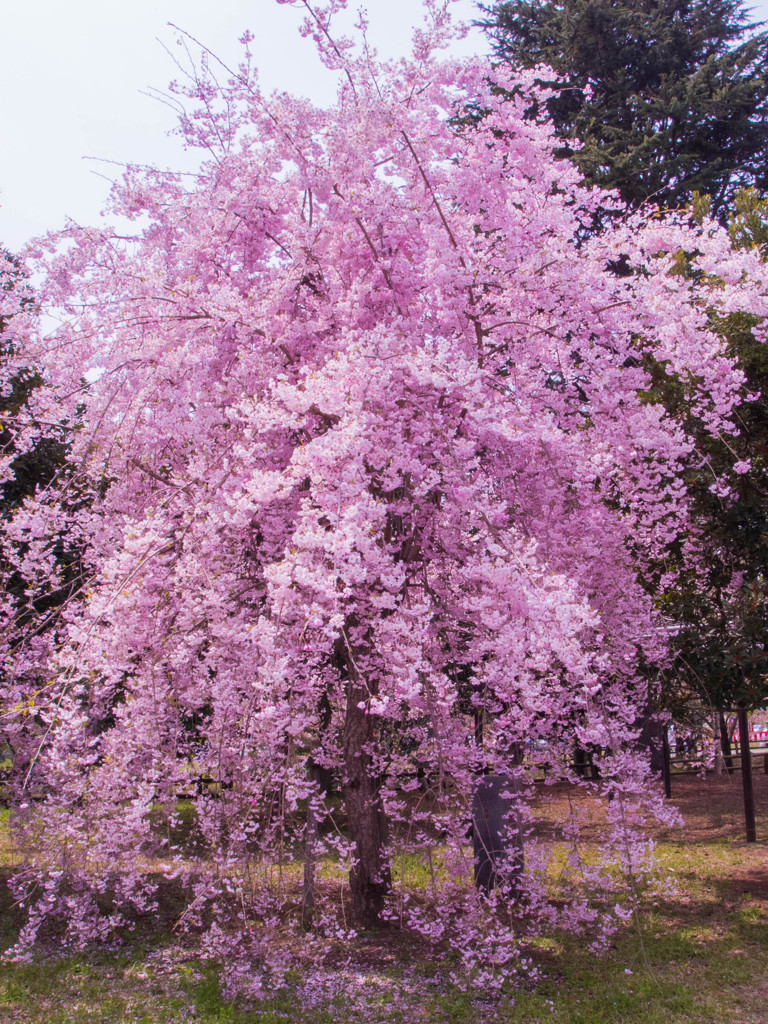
497,833
746,777
718,744
650,739
370,879
725,739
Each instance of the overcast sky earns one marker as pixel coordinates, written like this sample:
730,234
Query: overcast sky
74,73
74,76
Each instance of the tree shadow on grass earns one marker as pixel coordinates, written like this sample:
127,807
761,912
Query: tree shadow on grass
154,927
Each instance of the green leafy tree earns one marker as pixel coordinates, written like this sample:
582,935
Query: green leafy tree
655,98
29,466
722,607
33,460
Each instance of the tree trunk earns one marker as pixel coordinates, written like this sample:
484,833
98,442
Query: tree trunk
667,761
370,879
650,738
316,776
497,833
746,777
725,739
718,743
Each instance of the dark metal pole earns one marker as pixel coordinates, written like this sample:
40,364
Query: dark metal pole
746,776
666,765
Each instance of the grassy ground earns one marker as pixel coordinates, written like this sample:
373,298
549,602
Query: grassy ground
700,957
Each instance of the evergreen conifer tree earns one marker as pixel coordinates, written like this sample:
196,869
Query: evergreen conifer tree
666,97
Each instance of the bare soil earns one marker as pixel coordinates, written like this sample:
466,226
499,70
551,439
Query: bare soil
713,807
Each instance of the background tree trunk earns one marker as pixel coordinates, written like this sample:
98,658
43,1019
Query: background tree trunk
746,776
667,761
725,739
650,739
317,777
497,833
717,738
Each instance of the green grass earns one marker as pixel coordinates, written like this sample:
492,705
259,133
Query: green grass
699,958
88,990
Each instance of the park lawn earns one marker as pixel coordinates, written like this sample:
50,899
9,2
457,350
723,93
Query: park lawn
698,957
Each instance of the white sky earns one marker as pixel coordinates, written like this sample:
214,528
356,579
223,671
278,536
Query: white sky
72,73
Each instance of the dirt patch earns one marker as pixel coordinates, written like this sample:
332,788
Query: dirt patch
752,883
749,1002
713,807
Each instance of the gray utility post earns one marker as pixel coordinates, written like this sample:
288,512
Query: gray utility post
497,831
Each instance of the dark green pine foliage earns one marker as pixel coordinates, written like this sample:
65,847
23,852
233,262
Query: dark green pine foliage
667,97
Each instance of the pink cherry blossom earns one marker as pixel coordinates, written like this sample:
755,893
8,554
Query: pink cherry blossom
362,451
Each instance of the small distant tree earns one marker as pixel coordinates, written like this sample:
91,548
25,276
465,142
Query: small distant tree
656,98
